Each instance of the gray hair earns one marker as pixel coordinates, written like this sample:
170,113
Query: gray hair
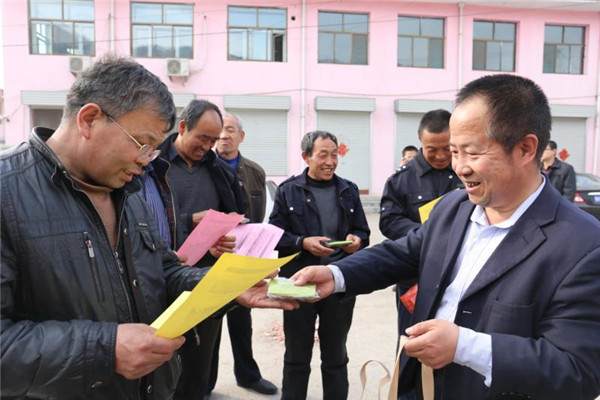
120,85
308,141
238,120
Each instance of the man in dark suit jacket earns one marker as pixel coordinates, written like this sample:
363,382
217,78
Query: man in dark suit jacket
509,271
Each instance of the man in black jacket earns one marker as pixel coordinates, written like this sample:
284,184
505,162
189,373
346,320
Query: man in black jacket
83,269
313,208
561,174
201,181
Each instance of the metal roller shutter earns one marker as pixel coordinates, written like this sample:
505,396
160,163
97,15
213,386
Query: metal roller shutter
266,138
353,129
407,126
569,133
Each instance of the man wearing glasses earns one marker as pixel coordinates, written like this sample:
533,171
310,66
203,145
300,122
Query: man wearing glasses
83,268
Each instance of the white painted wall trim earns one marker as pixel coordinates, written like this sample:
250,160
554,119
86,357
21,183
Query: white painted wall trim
43,98
182,99
324,103
53,99
421,106
572,111
257,102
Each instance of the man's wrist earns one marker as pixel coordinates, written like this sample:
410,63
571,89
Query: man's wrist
338,279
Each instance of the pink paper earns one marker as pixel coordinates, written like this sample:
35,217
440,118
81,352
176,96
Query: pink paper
256,240
214,225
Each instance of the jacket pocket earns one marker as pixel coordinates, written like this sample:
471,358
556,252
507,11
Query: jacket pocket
422,197
147,238
515,319
91,256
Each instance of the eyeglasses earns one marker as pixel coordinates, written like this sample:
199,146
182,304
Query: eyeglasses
146,153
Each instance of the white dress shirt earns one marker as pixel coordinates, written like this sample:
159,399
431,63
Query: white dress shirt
474,349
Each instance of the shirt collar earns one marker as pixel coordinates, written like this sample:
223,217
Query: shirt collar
478,214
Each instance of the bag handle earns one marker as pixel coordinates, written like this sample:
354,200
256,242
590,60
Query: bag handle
426,377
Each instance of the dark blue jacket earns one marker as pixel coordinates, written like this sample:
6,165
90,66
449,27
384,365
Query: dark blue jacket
295,212
537,296
411,186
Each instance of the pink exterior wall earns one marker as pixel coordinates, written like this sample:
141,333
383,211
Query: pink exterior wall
213,76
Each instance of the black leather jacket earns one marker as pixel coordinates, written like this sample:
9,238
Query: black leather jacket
63,290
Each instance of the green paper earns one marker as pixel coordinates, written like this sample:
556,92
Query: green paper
283,287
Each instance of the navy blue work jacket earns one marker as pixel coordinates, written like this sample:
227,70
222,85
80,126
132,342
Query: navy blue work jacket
295,212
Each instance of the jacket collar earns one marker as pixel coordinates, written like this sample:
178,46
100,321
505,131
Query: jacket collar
422,166
340,184
521,241
38,138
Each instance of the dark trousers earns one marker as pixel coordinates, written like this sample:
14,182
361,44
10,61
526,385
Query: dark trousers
239,324
404,319
196,359
335,319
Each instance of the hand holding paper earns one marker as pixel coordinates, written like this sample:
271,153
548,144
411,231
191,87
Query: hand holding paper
211,228
319,275
231,276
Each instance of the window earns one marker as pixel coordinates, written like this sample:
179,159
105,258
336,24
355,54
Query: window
62,27
563,49
257,34
420,42
494,46
343,38
162,30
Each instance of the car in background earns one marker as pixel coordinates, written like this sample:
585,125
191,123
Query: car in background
587,196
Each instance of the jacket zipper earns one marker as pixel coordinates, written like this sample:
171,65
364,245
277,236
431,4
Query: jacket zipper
118,260
93,266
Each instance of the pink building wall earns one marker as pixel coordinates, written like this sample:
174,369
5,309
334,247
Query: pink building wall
212,76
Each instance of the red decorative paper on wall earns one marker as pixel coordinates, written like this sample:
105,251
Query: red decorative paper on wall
343,149
563,154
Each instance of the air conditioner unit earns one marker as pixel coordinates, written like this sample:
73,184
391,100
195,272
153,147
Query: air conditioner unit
178,67
78,64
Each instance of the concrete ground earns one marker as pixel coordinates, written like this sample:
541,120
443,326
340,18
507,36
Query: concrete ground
372,337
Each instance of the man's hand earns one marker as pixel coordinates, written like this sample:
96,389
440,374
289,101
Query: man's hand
351,248
320,275
197,217
313,245
138,352
256,297
226,244
433,342
182,258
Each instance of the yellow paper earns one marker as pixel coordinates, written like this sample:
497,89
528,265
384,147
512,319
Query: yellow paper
425,209
232,275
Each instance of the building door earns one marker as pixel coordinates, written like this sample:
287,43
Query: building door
266,138
569,134
407,127
352,129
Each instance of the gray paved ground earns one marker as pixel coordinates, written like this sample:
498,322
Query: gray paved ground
372,336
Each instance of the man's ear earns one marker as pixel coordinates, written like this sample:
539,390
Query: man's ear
527,148
305,157
181,127
242,136
86,116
